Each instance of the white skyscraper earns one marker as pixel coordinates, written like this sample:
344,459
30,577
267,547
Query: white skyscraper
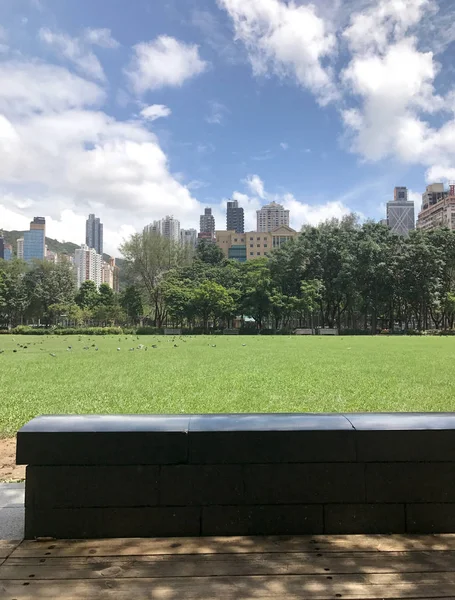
20,248
271,216
167,227
88,265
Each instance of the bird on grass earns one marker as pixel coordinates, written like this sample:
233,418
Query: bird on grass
154,346
213,345
243,344
175,346
53,355
118,349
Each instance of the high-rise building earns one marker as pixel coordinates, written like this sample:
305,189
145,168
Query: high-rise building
207,222
167,227
271,216
88,264
188,236
34,241
94,234
20,248
400,213
252,244
2,247
8,252
235,220
438,208
170,228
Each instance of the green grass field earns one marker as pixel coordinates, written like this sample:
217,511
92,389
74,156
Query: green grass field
240,374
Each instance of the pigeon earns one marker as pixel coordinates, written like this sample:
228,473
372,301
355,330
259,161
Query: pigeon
175,346
243,344
154,346
213,345
131,349
53,355
70,347
118,349
14,350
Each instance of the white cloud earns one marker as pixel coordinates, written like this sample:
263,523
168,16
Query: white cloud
393,88
155,111
217,113
389,20
100,37
62,159
27,87
164,62
77,49
287,40
284,145
255,185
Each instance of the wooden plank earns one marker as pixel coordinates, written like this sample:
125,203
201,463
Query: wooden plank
235,545
194,565
7,546
353,587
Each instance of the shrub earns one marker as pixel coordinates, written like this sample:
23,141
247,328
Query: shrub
150,330
89,331
28,330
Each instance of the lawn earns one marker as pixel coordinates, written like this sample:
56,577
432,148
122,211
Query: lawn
222,374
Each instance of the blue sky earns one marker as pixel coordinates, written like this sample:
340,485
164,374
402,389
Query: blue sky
138,110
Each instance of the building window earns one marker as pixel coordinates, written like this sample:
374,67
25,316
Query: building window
235,239
265,239
265,245
258,245
258,239
251,239
251,253
251,245
258,253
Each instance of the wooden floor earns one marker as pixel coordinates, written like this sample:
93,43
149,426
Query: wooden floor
230,568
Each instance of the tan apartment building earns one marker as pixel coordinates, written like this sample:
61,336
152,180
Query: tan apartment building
438,208
252,244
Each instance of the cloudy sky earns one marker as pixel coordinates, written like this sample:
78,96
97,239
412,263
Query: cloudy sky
135,110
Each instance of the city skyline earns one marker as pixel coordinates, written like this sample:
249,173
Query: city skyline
401,218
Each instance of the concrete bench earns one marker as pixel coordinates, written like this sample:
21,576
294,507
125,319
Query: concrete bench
247,474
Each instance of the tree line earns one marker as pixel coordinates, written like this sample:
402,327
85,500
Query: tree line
355,276
45,293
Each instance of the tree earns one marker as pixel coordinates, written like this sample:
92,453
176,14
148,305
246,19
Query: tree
209,253
106,295
256,293
212,301
149,256
48,284
14,298
131,302
87,297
